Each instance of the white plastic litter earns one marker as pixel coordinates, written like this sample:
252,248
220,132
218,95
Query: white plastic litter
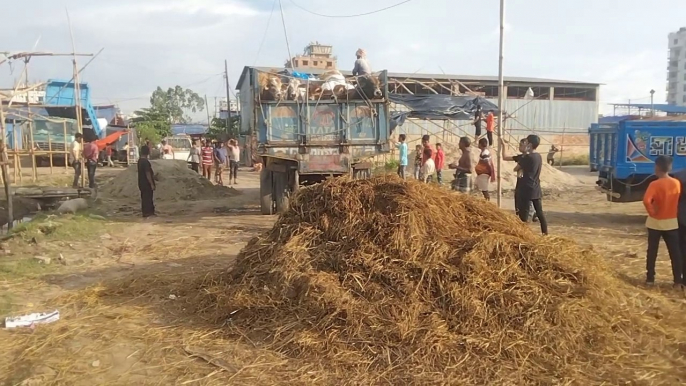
32,319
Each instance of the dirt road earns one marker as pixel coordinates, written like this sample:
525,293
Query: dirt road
117,283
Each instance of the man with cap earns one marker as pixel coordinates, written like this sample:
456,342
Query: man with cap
362,67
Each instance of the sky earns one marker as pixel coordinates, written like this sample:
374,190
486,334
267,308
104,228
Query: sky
150,43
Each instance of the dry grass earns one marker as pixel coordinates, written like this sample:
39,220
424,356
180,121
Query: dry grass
377,280
367,282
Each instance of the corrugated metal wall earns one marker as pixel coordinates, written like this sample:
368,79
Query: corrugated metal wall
550,117
539,116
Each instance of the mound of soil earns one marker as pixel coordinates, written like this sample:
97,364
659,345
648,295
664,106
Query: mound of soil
175,181
388,282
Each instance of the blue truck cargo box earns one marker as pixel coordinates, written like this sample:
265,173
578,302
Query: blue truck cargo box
624,153
321,136
60,93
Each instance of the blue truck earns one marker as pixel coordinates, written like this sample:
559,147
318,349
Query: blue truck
623,153
306,140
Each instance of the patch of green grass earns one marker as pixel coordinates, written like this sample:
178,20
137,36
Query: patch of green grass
6,304
574,160
61,227
20,268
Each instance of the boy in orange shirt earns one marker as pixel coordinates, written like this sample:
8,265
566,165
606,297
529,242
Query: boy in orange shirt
661,201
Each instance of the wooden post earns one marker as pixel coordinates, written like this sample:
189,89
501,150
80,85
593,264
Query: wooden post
562,146
66,148
3,167
16,145
34,169
50,150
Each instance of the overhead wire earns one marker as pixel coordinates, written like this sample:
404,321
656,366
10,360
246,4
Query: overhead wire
353,15
264,36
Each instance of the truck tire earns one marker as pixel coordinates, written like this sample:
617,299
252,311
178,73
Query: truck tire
280,194
266,187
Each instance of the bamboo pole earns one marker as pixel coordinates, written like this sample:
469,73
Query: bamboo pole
66,149
77,100
3,168
16,144
50,150
32,152
562,146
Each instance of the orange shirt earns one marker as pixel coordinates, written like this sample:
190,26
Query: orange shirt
661,201
490,122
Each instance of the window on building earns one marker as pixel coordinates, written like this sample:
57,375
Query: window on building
329,64
684,98
305,62
575,93
519,92
314,63
676,41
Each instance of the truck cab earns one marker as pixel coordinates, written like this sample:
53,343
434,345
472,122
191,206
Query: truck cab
181,144
623,153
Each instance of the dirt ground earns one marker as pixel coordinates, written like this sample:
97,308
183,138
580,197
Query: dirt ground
113,277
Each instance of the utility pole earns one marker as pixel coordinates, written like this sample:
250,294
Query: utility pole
228,98
501,100
208,112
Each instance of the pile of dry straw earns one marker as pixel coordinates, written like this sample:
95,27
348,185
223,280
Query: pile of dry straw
175,181
385,282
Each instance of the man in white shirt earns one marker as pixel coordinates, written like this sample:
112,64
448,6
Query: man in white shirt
362,66
429,167
234,157
75,158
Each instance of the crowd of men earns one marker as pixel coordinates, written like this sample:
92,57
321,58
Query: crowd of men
430,161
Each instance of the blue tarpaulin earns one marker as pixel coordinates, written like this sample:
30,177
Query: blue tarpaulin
188,129
438,107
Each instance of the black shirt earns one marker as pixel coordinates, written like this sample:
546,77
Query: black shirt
478,117
681,176
530,183
144,167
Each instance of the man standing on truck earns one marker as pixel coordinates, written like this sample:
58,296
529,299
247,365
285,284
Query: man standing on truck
75,158
661,201
362,67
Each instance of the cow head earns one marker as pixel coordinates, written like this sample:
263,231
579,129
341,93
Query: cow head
274,87
370,86
292,91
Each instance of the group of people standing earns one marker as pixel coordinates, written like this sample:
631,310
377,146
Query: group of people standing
218,155
429,161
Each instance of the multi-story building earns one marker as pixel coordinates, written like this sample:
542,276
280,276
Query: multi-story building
316,55
676,68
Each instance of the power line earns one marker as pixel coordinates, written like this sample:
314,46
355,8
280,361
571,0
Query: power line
355,15
264,37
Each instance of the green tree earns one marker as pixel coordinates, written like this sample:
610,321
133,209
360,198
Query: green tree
218,131
166,108
176,102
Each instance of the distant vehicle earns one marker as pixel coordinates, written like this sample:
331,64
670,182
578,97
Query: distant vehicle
624,153
181,144
307,134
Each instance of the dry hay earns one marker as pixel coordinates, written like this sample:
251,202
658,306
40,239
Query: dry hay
175,181
385,282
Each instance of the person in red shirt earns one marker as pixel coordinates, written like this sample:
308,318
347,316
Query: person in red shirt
207,153
490,126
90,155
108,153
439,160
426,144
661,201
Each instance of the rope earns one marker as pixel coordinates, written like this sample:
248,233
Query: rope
354,15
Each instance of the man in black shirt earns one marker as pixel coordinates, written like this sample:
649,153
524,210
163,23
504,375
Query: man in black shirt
146,182
529,186
478,117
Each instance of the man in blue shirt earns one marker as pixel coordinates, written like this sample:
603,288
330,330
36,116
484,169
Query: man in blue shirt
402,148
220,160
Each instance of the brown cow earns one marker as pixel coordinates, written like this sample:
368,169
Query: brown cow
270,86
369,86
